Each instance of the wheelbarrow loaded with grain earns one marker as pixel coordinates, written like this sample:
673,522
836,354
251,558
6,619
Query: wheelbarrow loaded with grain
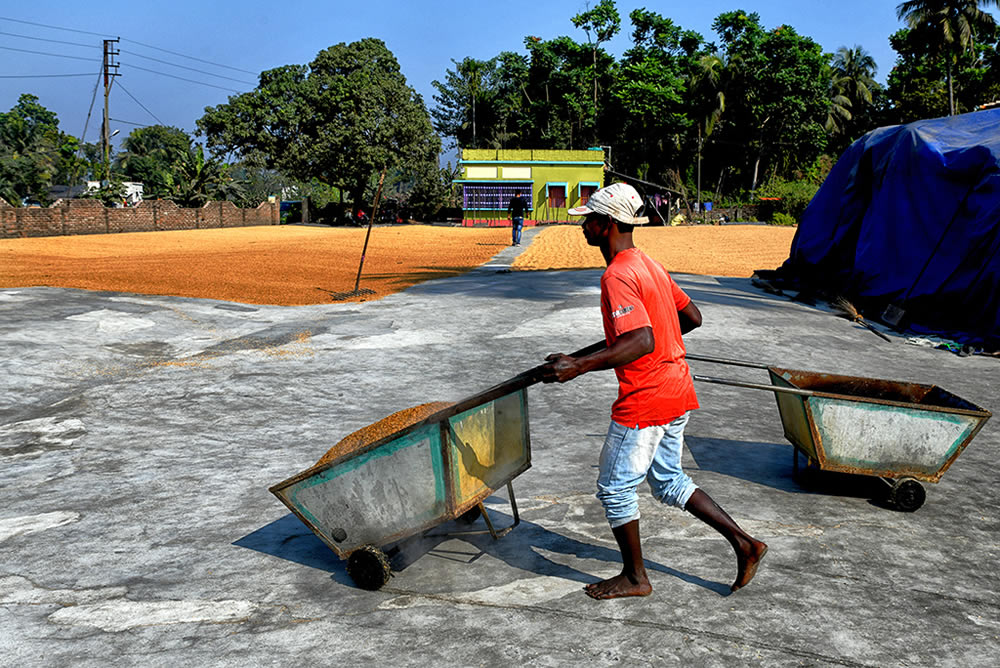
414,470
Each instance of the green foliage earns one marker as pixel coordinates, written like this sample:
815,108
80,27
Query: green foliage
604,21
947,31
339,120
467,98
150,155
34,153
110,193
195,180
918,84
795,196
784,219
777,98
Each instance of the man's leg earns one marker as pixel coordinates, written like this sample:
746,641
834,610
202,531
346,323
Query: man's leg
672,486
625,460
633,580
749,551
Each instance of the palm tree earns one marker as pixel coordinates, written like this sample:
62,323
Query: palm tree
710,79
952,24
854,73
852,79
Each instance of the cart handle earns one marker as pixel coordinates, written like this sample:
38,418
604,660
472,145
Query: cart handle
719,360
755,386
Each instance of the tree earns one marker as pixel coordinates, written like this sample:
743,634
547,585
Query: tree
34,153
149,155
341,119
917,86
194,180
778,98
603,20
651,95
708,83
561,112
950,27
852,95
469,86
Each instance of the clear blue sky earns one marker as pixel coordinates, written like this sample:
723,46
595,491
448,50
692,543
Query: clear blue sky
253,35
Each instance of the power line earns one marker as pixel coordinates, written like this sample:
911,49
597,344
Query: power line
45,53
118,120
43,25
172,76
148,46
201,60
42,39
42,76
93,97
185,67
140,104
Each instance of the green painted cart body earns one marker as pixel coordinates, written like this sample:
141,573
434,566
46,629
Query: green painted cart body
898,431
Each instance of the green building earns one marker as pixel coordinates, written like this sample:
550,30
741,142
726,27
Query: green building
551,181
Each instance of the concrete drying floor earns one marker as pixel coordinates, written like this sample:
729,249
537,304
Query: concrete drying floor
139,436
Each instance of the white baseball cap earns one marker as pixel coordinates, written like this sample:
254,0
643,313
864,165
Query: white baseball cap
619,200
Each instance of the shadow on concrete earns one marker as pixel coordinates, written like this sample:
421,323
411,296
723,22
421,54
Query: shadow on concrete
730,292
287,538
497,284
523,548
772,465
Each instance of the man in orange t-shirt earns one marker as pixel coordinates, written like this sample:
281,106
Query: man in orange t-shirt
644,313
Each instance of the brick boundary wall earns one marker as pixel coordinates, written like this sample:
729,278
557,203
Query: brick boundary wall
88,216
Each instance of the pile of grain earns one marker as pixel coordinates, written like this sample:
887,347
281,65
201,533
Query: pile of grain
384,427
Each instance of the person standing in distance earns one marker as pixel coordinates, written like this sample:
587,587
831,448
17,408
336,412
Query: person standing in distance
516,207
644,313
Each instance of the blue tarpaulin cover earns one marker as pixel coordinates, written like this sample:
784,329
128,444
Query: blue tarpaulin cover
910,216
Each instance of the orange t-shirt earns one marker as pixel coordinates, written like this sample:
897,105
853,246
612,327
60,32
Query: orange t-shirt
637,292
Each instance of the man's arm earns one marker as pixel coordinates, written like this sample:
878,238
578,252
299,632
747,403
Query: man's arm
690,317
628,347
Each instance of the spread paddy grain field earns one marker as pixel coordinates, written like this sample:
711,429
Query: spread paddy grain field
294,265
726,250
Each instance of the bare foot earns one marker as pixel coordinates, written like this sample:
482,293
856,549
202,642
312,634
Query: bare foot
748,560
619,586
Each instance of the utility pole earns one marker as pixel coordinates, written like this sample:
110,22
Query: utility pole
109,77
700,144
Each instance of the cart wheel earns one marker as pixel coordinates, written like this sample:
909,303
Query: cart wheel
907,495
470,515
368,567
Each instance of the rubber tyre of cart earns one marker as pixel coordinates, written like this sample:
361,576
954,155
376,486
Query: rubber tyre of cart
369,567
470,515
906,494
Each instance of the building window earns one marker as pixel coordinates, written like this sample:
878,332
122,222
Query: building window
586,189
556,195
493,196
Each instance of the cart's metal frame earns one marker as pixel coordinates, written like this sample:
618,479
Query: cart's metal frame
802,428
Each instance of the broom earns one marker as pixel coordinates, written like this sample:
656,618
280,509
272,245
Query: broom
851,313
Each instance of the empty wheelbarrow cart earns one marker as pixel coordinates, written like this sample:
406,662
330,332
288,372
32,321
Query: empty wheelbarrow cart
904,433
438,469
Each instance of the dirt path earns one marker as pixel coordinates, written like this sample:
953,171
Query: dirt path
292,265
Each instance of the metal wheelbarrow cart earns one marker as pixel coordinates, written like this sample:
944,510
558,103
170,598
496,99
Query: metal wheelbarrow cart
903,433
436,470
